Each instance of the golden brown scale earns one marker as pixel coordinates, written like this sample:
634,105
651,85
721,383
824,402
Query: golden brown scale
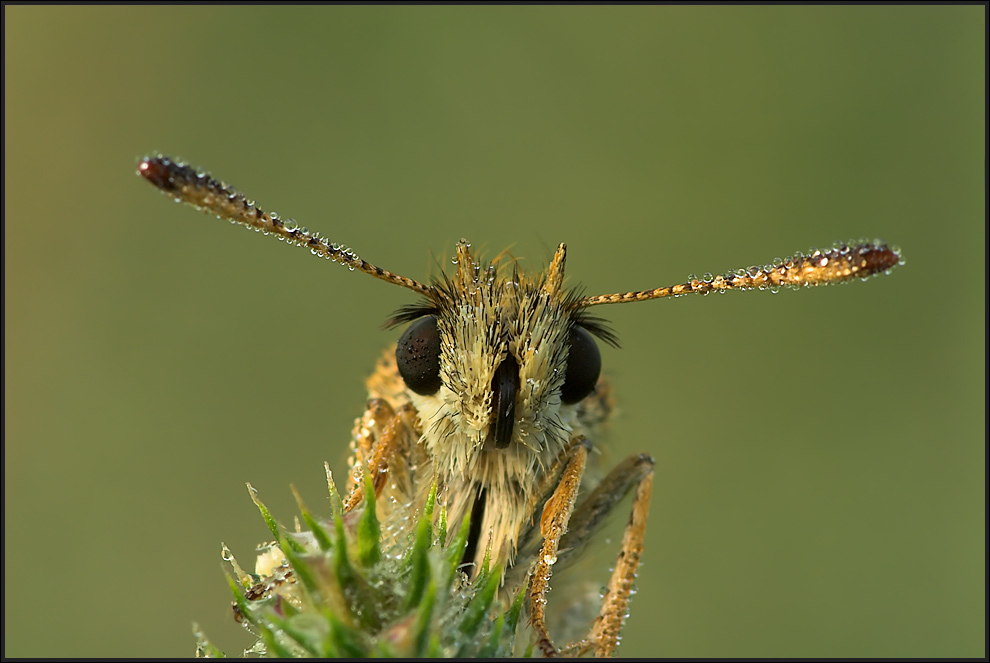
503,417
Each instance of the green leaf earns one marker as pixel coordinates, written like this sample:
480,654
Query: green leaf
240,602
270,519
274,646
369,529
420,573
322,539
477,608
424,619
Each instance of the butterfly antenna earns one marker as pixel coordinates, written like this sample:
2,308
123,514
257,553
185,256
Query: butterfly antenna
197,188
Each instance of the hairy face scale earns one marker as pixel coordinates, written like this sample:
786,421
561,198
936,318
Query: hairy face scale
500,411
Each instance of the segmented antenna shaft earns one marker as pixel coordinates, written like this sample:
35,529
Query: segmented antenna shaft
196,188
836,265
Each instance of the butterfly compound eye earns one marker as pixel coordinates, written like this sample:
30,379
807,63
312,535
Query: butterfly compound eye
418,356
584,365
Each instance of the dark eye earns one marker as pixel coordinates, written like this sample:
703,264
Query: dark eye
418,356
584,364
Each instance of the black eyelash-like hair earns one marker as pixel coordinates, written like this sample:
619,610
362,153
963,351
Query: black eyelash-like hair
441,290
593,324
411,312
597,327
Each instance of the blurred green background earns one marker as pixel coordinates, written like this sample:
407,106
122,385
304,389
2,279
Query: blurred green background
820,486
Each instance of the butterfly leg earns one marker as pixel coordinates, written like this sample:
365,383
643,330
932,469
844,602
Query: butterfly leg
381,435
635,472
553,524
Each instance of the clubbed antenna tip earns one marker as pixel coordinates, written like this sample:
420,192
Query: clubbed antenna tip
838,264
